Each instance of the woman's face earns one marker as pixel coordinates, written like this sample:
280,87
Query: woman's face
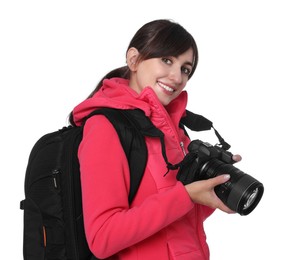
167,76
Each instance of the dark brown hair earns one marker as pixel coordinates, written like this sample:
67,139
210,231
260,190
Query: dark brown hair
158,38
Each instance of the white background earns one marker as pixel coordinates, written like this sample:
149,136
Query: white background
53,53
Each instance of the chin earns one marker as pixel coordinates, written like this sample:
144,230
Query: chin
165,102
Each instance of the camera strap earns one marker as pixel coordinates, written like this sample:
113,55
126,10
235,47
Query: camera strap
191,120
198,123
222,142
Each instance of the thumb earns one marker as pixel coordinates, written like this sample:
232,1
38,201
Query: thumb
219,179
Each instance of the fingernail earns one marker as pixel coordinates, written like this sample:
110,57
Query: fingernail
226,176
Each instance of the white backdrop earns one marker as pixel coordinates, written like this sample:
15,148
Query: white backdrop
52,54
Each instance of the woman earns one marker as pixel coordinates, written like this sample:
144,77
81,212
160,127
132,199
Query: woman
165,219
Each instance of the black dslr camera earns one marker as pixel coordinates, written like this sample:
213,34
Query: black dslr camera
241,193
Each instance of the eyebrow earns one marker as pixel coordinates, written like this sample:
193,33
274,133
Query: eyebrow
189,63
186,63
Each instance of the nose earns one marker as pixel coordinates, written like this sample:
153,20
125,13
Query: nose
176,75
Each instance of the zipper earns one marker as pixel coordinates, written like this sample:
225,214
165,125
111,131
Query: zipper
55,174
171,125
183,148
71,206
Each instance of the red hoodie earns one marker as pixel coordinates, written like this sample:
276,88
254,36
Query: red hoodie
162,222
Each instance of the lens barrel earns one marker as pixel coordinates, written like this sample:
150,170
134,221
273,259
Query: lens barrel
241,193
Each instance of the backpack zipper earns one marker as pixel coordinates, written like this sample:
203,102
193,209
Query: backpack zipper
71,206
54,175
183,148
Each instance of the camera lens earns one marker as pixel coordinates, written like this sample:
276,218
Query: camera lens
251,199
241,193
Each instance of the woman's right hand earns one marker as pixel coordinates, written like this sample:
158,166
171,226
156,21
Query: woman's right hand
202,192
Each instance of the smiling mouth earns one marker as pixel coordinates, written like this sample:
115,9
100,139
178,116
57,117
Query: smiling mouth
167,88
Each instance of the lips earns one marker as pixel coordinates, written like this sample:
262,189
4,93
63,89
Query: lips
167,88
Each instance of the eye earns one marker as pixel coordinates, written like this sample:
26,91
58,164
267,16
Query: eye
186,71
167,60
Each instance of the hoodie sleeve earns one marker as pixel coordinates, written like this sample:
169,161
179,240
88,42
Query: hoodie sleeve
110,224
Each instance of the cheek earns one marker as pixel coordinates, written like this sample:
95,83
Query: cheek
185,81
142,82
145,79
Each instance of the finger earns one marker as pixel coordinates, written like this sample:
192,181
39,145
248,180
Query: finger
226,209
236,157
219,180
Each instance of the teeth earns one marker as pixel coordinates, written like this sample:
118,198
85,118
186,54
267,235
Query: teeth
166,87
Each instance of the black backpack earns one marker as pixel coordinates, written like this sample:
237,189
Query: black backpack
53,220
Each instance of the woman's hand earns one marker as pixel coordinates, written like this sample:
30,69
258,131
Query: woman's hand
236,158
202,192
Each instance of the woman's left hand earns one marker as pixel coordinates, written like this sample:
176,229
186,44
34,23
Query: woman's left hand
236,158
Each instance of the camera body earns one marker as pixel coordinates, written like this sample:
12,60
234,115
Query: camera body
206,152
240,193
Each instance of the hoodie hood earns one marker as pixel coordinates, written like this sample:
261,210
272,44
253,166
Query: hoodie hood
116,93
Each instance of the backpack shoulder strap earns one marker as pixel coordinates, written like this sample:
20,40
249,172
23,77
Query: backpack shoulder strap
132,141
147,128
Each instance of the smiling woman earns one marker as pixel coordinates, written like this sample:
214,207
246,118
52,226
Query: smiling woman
166,76
165,219
53,54
157,39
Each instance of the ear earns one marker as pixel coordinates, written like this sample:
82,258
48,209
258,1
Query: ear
131,58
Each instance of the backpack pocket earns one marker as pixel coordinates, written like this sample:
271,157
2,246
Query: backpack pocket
44,234
34,237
